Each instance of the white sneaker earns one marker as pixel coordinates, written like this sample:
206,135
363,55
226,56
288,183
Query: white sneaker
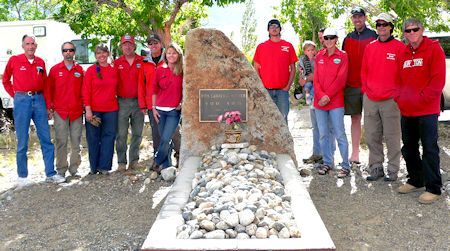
298,96
56,179
308,98
23,182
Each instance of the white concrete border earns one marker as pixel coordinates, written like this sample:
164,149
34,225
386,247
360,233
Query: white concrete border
314,235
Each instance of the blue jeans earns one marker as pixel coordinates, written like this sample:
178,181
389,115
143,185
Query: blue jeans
168,123
101,140
336,116
316,135
425,170
27,108
281,99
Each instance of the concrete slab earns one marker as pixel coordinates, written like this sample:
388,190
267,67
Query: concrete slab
314,235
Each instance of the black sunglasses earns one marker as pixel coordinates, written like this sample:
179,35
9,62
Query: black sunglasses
382,24
274,26
413,29
66,50
152,43
329,37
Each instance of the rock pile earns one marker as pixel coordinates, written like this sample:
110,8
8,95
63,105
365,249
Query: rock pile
238,193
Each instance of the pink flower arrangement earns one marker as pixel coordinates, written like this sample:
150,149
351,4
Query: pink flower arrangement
230,118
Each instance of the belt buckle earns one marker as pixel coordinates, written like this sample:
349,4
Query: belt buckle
30,93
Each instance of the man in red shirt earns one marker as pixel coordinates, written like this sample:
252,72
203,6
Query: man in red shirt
146,72
64,82
379,75
275,64
128,66
354,44
422,78
31,101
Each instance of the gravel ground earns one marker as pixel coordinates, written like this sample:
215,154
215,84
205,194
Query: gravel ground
115,212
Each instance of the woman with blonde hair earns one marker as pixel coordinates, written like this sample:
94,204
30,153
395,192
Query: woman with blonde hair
99,95
167,95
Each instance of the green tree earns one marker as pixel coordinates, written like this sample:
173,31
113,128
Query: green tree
248,36
11,10
169,19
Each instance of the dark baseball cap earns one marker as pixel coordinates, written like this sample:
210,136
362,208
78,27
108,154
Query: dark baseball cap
153,37
358,11
274,21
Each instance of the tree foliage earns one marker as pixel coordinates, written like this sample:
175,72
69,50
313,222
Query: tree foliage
12,10
248,36
169,19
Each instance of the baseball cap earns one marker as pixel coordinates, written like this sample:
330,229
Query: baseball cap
127,38
273,21
329,32
153,37
385,17
358,11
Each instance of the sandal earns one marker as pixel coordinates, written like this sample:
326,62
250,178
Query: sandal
354,162
324,169
343,173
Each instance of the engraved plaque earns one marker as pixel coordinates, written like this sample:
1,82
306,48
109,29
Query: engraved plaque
214,102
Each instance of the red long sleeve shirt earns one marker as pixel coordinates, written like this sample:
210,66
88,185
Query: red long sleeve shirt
422,78
26,76
100,94
379,71
146,73
168,87
330,74
354,44
65,90
128,76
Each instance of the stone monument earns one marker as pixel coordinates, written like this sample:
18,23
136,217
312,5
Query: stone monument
212,61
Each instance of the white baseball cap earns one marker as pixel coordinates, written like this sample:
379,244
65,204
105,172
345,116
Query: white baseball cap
329,32
385,17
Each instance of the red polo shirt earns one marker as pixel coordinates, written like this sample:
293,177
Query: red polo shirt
146,73
128,76
65,90
26,76
100,94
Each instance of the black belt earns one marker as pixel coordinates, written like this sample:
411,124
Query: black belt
29,93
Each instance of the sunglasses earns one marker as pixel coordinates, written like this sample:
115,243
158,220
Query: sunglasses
413,29
382,24
274,26
152,43
329,37
66,50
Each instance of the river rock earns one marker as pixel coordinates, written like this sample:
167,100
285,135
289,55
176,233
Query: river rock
216,234
284,233
246,217
261,233
242,236
207,225
169,174
196,234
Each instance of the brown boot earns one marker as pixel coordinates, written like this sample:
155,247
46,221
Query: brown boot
408,188
122,167
428,198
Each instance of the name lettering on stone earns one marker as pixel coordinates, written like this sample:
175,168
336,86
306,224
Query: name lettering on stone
214,102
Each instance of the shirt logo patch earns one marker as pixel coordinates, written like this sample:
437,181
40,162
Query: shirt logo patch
120,67
336,60
413,63
320,61
390,56
285,48
39,69
60,74
77,74
138,66
23,68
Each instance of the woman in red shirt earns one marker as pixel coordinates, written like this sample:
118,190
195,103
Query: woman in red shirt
330,73
167,94
99,95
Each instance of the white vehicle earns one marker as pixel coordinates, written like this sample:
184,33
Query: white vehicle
444,40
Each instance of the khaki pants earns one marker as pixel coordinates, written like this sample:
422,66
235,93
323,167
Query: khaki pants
64,128
382,118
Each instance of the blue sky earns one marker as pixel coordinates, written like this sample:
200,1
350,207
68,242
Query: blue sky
228,19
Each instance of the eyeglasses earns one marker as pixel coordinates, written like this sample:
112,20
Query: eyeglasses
330,37
382,24
152,43
413,29
66,50
274,26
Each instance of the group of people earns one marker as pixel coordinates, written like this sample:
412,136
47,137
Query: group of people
397,86
400,86
114,97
